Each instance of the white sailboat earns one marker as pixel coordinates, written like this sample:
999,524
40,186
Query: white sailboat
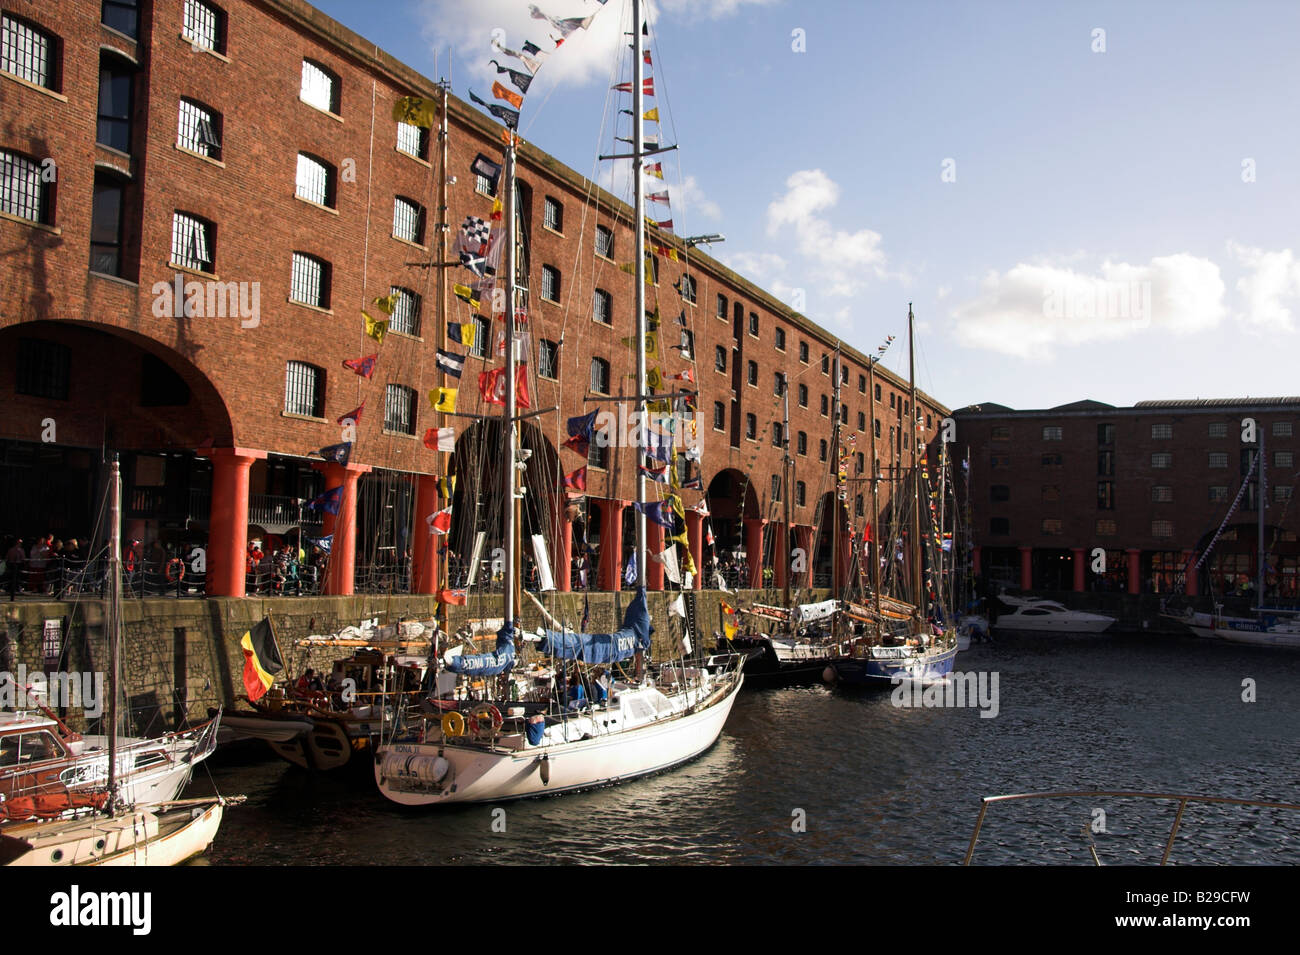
166,833
658,718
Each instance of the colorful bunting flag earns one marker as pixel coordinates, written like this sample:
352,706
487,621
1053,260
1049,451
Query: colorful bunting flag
520,79
576,480
451,363
338,453
466,294
354,414
492,387
329,501
440,439
508,116
462,332
440,521
415,111
444,400
387,303
375,329
365,367
509,95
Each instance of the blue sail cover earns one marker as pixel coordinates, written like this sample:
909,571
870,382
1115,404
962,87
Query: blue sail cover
613,647
488,664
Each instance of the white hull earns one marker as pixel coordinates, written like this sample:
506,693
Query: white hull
1040,625
139,787
480,775
1266,638
138,838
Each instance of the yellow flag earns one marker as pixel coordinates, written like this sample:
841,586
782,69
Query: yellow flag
675,503
653,115
443,399
386,303
654,379
414,111
689,564
374,329
466,294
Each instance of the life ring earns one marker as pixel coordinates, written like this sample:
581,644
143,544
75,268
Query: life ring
485,711
453,724
319,700
175,570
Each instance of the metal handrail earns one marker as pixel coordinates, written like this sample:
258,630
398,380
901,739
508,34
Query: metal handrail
1182,798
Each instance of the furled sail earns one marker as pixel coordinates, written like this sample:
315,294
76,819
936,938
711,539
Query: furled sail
622,644
807,613
488,664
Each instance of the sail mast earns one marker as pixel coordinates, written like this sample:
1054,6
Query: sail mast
875,481
785,485
943,489
511,403
638,162
834,516
1259,508
114,621
443,225
919,597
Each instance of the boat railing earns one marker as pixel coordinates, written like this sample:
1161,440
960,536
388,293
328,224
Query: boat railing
1182,799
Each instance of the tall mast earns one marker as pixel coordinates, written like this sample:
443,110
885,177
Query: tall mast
638,162
785,485
1259,507
943,489
910,416
511,405
443,226
875,482
834,517
113,619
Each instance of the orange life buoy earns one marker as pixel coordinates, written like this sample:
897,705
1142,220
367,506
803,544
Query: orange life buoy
175,570
485,711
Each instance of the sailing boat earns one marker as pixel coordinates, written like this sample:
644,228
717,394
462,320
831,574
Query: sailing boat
895,639
652,719
165,834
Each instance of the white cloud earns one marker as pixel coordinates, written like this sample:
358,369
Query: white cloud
761,268
1033,308
838,261
1273,278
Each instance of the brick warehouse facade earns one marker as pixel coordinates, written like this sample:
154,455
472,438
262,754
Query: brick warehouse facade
1150,485
214,424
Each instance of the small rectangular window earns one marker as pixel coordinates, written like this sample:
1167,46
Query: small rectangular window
599,376
548,359
604,242
315,181
780,339
482,332
722,307
1162,528
1105,435
413,140
304,390
999,526
308,283
720,358
320,87
1218,459
1283,459
1051,526
1162,459
1106,527
406,311
44,369
408,220
192,242
1218,493
1053,459
1162,494
122,16
999,493
719,416
399,409
803,352
553,214
1051,492
550,283
1218,429
1281,429
1162,432
197,129
26,52
1052,433
203,26
23,190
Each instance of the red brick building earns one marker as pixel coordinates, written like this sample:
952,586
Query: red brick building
1149,485
247,150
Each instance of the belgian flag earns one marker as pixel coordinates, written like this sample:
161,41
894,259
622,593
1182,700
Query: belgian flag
262,659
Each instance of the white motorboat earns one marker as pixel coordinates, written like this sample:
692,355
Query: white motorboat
1048,616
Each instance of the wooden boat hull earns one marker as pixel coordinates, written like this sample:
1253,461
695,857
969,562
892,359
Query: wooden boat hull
329,745
477,775
139,838
866,671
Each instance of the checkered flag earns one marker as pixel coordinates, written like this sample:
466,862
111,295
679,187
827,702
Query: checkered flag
474,234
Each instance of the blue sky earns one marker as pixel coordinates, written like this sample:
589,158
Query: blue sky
1116,224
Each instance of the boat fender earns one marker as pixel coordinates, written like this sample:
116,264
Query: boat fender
828,675
483,716
453,724
544,769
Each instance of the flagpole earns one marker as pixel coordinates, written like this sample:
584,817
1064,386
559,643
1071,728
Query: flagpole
875,493
638,163
919,597
835,496
785,484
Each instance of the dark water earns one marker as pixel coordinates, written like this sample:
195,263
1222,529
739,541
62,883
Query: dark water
876,783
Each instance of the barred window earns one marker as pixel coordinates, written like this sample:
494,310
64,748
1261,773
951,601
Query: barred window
1162,494
553,214
1162,432
548,359
1106,527
778,435
803,352
27,52
862,384
719,416
197,129
803,396
399,409
315,180
1218,429
599,376
550,283
1218,493
604,242
689,288
1283,459
722,306
751,374
1218,459
826,364
320,87
413,140
1162,528
192,242
801,443
720,358
406,312
308,281
44,369
304,390
483,185
1053,459
751,427
1281,492
408,220
821,450
203,26
122,16
598,453
1051,525
1281,429
1052,433
862,421
602,307
800,494
23,191
778,380
1162,459
826,406
780,339
482,329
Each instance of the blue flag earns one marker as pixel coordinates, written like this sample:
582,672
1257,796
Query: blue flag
329,501
338,453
